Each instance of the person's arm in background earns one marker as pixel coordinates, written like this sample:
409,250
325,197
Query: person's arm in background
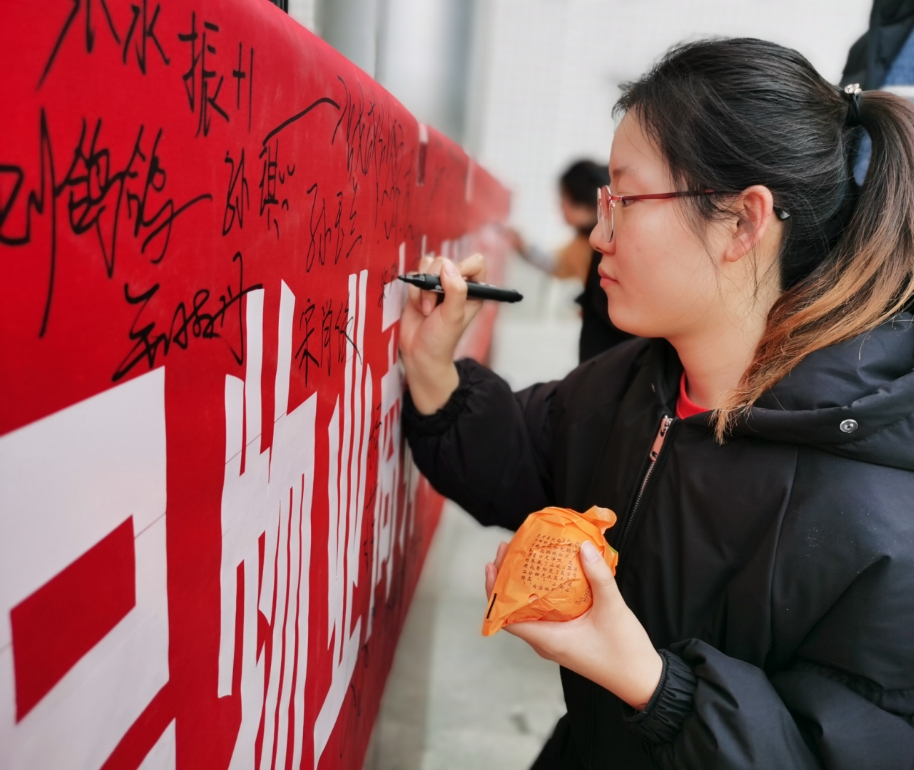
535,255
574,260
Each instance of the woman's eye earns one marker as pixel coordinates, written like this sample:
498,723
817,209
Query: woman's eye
625,202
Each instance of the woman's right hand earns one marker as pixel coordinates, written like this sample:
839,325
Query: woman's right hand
429,331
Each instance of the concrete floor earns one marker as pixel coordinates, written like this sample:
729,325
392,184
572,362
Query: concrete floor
455,699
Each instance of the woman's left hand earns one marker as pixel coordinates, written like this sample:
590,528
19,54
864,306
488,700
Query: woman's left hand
607,644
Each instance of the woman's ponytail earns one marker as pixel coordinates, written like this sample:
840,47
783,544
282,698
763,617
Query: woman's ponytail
867,277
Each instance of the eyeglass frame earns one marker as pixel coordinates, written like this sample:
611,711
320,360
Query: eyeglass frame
606,211
610,207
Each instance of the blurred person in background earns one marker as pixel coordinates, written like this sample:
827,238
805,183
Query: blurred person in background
578,259
755,440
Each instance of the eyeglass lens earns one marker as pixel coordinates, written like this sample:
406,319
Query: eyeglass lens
605,212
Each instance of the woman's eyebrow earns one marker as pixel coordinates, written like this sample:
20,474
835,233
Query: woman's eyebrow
616,174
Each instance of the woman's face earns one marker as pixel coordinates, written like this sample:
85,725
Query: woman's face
660,279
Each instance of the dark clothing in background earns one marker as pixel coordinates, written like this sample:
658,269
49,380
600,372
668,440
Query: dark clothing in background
881,58
774,573
869,60
598,333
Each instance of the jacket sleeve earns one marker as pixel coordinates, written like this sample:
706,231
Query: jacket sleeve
488,449
714,711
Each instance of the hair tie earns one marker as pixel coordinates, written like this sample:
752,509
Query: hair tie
854,106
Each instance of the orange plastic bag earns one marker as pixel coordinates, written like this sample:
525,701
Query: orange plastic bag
541,577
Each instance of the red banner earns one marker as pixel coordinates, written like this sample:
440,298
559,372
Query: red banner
210,528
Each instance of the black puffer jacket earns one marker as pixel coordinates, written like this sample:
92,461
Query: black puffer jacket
774,573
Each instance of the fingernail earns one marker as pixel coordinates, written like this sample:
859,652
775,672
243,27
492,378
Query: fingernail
449,268
589,552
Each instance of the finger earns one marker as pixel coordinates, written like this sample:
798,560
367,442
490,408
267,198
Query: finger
544,636
491,575
500,554
415,294
473,268
455,292
431,266
598,573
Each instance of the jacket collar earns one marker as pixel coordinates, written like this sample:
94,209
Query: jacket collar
855,399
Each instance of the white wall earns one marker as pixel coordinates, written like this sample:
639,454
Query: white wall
303,12
423,52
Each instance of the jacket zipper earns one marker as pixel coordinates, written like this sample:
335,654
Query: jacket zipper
665,423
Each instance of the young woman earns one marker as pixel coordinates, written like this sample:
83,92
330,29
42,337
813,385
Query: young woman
758,449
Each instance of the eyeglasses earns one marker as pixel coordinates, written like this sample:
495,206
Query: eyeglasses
606,205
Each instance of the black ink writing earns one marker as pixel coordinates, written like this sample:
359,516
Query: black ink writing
78,5
238,197
239,74
299,115
94,189
388,276
336,325
162,220
343,325
273,177
197,78
331,228
141,32
374,142
203,318
268,177
145,34
304,355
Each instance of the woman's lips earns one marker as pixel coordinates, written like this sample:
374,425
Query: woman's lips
606,280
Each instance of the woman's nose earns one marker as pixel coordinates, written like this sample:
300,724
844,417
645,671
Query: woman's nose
598,241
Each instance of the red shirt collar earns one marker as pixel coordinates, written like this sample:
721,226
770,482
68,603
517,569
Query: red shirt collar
684,406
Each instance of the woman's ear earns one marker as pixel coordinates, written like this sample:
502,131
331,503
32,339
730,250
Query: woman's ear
755,217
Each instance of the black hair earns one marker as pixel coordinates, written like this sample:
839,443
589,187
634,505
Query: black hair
580,182
728,114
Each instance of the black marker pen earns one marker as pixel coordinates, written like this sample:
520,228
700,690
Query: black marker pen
429,282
